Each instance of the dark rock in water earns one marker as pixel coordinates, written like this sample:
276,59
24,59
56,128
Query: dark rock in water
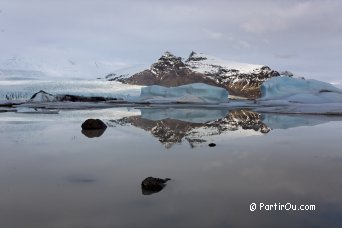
212,144
93,133
74,98
93,124
153,185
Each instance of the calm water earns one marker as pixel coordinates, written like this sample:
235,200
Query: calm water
53,175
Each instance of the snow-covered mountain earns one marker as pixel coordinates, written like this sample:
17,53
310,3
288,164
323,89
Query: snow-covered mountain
126,72
26,68
240,79
16,68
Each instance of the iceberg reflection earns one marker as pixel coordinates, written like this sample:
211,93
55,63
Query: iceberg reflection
285,121
186,114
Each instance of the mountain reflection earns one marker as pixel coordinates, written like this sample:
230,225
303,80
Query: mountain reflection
171,126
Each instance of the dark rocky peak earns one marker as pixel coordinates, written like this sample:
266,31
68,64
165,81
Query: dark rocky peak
167,63
267,72
168,55
195,57
286,73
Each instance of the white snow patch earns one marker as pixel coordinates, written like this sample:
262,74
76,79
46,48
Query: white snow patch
126,72
210,65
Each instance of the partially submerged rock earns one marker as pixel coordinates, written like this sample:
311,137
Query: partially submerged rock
93,124
152,185
43,96
75,98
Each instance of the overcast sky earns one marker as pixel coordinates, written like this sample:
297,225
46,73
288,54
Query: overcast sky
303,36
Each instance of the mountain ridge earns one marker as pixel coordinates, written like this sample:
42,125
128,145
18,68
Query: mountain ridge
240,79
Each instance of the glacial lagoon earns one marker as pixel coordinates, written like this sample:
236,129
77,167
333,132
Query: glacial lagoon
54,175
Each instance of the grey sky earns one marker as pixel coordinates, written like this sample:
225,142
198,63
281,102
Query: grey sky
301,36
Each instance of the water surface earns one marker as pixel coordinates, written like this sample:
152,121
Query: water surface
53,175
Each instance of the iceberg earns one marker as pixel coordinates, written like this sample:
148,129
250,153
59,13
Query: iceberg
296,90
191,93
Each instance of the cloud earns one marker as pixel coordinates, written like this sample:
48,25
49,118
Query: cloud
284,56
300,16
138,31
213,35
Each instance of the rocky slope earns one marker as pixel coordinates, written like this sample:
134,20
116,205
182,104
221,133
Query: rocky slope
239,79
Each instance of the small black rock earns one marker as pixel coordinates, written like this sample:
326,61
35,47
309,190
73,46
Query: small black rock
152,185
212,144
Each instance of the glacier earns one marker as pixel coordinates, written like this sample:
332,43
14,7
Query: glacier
190,93
296,90
23,67
22,90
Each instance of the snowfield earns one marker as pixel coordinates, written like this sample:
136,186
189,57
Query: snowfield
207,64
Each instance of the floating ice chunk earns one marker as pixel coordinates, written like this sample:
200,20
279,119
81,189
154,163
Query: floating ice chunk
192,93
28,110
300,91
